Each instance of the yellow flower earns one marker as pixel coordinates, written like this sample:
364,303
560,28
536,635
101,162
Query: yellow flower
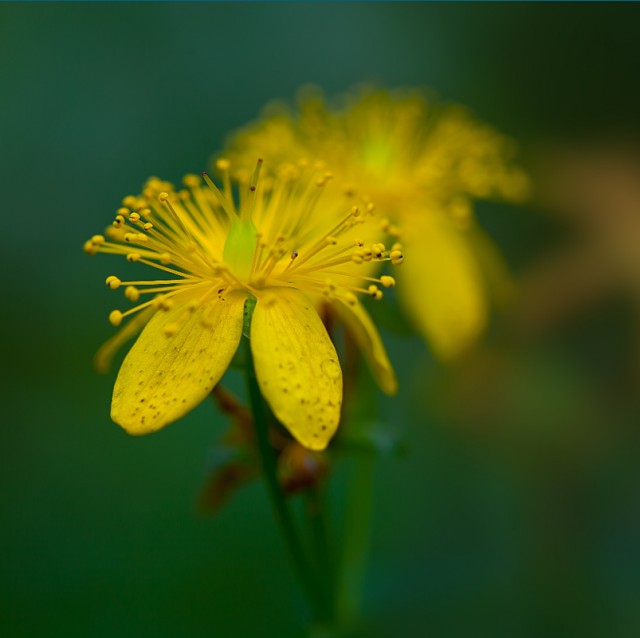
285,241
423,164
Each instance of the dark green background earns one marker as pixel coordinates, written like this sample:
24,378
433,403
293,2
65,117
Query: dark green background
532,531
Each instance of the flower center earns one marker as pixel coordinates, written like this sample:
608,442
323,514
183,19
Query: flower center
239,248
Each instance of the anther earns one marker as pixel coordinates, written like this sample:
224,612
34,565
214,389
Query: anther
350,298
132,257
396,257
163,304
191,181
118,221
98,239
115,318
134,217
223,164
163,196
387,282
89,247
132,293
375,292
124,211
113,282
147,226
171,329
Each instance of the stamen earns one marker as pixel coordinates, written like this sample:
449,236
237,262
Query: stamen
224,202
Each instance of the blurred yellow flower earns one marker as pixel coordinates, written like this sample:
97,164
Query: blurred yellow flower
284,241
423,164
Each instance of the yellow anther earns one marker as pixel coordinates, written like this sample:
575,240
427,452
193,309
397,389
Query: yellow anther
223,164
331,240
396,246
396,257
387,282
130,201
162,303
89,247
133,257
113,282
115,318
118,221
141,238
98,239
191,180
377,250
132,293
359,243
350,298
355,211
147,226
124,211
165,258
370,207
130,237
163,196
356,258
384,225
171,329
134,217
375,292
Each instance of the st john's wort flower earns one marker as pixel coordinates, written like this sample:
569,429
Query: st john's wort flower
286,241
424,164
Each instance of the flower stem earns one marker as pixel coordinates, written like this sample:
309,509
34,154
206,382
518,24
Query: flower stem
356,538
315,511
278,499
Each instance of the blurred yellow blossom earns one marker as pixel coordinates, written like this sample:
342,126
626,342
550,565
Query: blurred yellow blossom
282,241
424,164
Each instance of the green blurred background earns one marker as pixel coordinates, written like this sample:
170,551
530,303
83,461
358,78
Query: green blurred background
516,508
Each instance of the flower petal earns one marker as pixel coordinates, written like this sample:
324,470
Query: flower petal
164,377
364,331
442,287
297,366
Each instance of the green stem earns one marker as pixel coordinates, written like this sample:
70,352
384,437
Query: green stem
356,539
278,499
315,512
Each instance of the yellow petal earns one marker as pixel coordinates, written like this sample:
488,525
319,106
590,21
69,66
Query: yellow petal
364,331
164,377
441,285
297,366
